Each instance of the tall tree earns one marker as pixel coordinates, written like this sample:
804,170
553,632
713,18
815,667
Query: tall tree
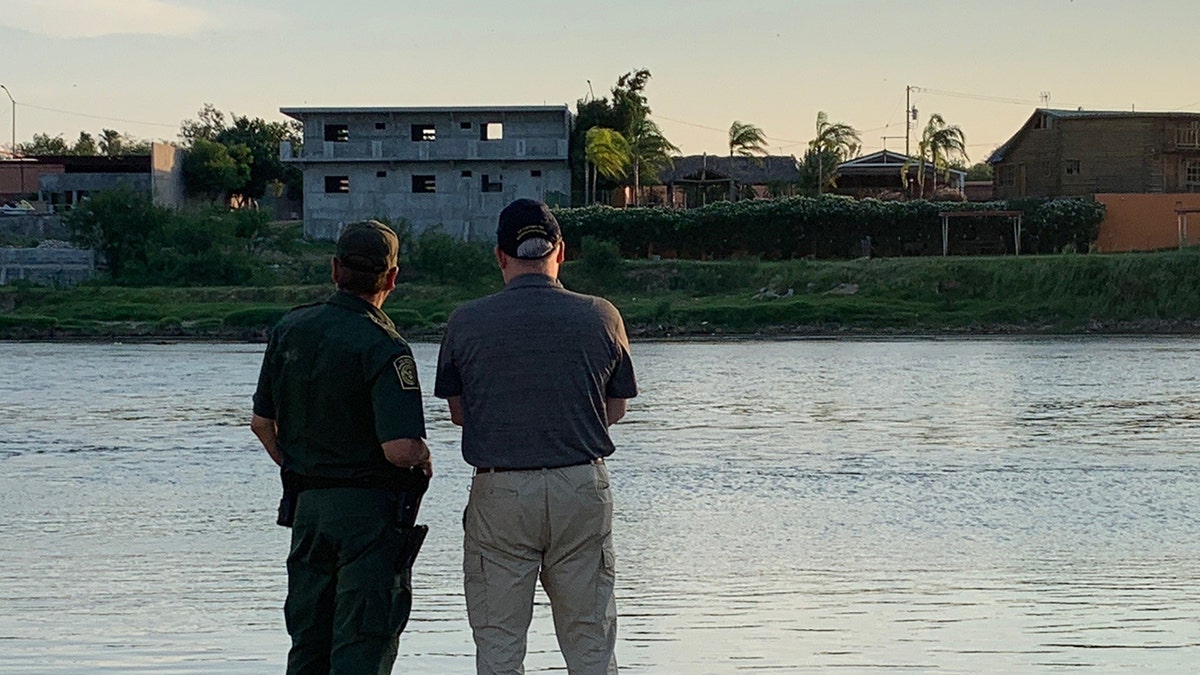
746,140
607,153
209,124
262,139
834,141
215,172
111,142
627,112
42,145
85,146
649,153
940,143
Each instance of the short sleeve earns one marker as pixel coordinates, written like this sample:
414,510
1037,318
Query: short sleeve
447,381
396,397
622,382
264,396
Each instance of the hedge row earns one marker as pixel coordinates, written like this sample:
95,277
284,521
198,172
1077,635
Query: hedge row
832,227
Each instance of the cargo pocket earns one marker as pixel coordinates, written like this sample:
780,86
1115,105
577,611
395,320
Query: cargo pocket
607,578
475,588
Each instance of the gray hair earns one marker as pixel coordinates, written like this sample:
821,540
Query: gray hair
534,248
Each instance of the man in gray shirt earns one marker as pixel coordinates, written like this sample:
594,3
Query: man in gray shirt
535,374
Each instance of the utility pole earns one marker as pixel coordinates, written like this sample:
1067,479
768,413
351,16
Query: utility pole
13,149
907,123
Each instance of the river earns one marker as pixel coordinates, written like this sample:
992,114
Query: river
951,505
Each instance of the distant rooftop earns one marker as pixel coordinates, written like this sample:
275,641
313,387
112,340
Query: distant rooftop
384,110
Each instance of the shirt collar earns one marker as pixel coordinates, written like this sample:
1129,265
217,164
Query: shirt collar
356,304
533,280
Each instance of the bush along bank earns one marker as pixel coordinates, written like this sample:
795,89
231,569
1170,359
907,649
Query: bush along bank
1066,293
832,227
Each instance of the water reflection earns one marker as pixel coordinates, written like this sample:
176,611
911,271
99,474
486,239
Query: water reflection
957,505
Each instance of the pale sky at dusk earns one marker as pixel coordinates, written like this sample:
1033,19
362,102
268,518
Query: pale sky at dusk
145,65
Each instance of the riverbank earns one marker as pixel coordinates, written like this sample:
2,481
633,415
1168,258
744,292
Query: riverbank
1151,293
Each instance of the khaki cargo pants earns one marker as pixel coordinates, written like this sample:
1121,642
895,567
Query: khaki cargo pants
556,523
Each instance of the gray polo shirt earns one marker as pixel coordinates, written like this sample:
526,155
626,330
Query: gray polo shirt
533,365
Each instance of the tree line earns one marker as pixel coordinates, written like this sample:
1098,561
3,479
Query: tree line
616,143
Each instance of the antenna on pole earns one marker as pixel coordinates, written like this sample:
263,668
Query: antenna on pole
1044,98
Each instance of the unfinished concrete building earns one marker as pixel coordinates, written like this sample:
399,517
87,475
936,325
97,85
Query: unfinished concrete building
450,167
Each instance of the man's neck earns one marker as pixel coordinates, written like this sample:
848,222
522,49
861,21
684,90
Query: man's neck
374,299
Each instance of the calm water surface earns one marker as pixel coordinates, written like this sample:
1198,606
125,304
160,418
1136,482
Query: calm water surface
915,505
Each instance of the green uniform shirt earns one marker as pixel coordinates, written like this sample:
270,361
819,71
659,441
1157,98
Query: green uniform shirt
339,381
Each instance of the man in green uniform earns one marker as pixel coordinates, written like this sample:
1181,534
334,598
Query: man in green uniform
338,407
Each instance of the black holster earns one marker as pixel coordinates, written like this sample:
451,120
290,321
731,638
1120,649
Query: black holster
287,503
407,485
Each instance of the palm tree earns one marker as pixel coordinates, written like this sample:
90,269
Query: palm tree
111,142
746,140
607,152
837,141
940,142
649,151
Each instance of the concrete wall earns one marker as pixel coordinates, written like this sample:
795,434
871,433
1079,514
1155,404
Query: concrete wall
1146,222
94,182
48,266
378,156
22,177
166,175
41,226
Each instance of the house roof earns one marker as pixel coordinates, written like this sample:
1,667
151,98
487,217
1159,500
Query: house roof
96,163
998,154
384,110
882,162
744,170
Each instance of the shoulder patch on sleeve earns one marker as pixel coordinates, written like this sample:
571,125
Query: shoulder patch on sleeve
406,371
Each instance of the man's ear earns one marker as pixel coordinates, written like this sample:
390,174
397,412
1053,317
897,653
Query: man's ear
390,284
501,258
335,266
562,252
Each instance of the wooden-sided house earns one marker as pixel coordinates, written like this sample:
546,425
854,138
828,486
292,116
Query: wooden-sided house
1061,153
881,172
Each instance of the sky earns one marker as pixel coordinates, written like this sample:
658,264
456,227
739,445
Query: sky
143,66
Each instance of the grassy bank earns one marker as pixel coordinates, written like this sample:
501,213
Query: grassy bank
1148,293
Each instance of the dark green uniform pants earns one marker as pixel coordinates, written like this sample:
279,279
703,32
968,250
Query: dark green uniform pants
346,603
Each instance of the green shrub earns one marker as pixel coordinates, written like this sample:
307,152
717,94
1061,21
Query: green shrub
254,317
406,318
600,256
441,258
824,227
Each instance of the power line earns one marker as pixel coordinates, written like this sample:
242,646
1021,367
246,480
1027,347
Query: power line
977,97
96,117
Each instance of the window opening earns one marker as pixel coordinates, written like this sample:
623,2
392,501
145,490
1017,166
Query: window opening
424,132
488,185
1193,174
381,174
334,184
464,125
424,183
491,131
337,133
535,173
466,174
1071,166
380,126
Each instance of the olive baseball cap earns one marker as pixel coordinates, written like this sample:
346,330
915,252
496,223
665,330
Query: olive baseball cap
523,220
368,246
